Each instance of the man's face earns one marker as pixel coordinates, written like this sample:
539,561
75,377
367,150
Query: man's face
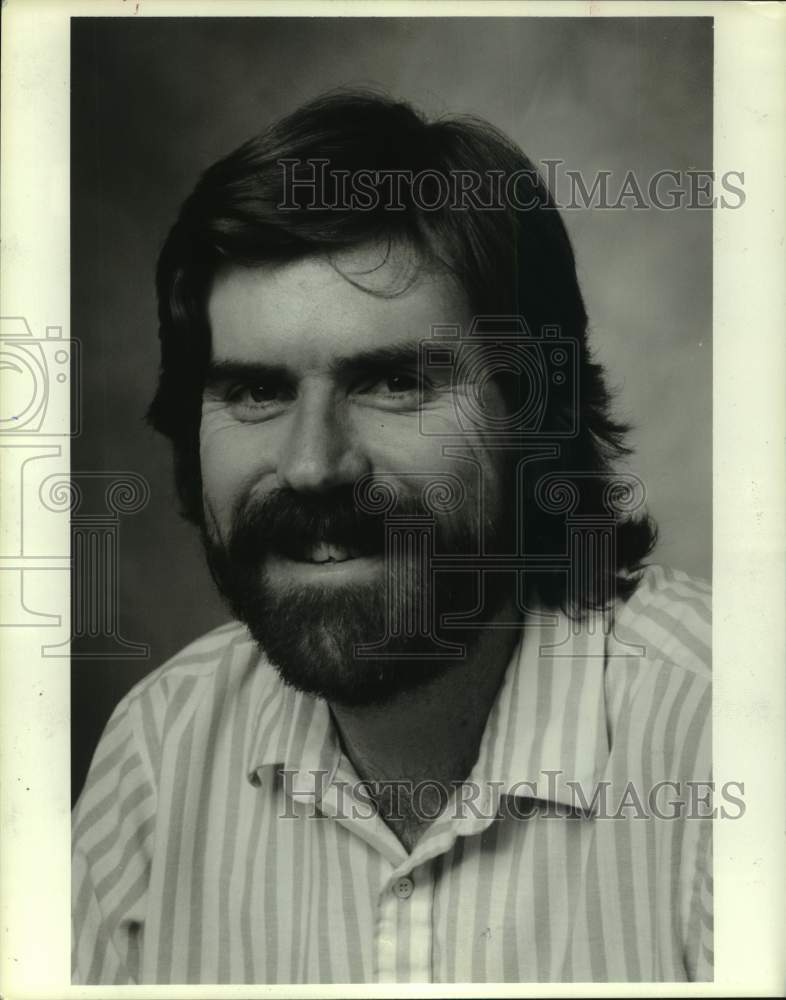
314,384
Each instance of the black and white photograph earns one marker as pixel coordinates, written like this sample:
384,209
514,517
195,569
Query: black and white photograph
389,393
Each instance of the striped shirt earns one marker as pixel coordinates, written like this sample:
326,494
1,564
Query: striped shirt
216,840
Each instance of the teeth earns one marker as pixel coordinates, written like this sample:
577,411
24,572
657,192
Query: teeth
323,553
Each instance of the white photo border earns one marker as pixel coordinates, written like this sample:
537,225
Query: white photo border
749,527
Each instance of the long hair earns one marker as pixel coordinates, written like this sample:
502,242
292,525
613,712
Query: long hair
511,258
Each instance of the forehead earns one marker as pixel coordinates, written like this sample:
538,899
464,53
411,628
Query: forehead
309,311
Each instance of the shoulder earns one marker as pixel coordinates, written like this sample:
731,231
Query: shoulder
669,617
198,660
208,677
658,678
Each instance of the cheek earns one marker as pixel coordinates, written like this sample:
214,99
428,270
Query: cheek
483,451
233,461
397,445
411,439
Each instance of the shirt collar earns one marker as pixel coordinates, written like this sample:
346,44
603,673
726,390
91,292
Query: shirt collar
545,736
295,730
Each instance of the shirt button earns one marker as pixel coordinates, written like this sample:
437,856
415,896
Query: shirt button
403,887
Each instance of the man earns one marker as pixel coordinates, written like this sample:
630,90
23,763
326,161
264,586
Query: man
457,731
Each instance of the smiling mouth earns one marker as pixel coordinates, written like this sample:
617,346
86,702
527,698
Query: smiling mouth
324,553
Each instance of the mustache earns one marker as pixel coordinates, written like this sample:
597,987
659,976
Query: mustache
291,524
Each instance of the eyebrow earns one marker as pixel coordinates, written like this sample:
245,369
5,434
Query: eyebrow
379,359
226,370
407,354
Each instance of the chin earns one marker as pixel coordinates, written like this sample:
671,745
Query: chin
313,648
310,620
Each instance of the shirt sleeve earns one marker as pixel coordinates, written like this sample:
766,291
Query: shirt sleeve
112,833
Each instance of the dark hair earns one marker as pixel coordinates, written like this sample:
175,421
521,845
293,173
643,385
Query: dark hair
510,260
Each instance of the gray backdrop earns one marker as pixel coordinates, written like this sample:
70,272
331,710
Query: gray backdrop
155,101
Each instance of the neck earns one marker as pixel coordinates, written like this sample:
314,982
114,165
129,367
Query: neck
429,734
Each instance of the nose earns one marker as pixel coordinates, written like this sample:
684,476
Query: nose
319,452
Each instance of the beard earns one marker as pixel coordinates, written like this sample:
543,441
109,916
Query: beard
354,643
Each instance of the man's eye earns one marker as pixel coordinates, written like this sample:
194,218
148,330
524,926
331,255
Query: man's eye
258,393
393,384
401,382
